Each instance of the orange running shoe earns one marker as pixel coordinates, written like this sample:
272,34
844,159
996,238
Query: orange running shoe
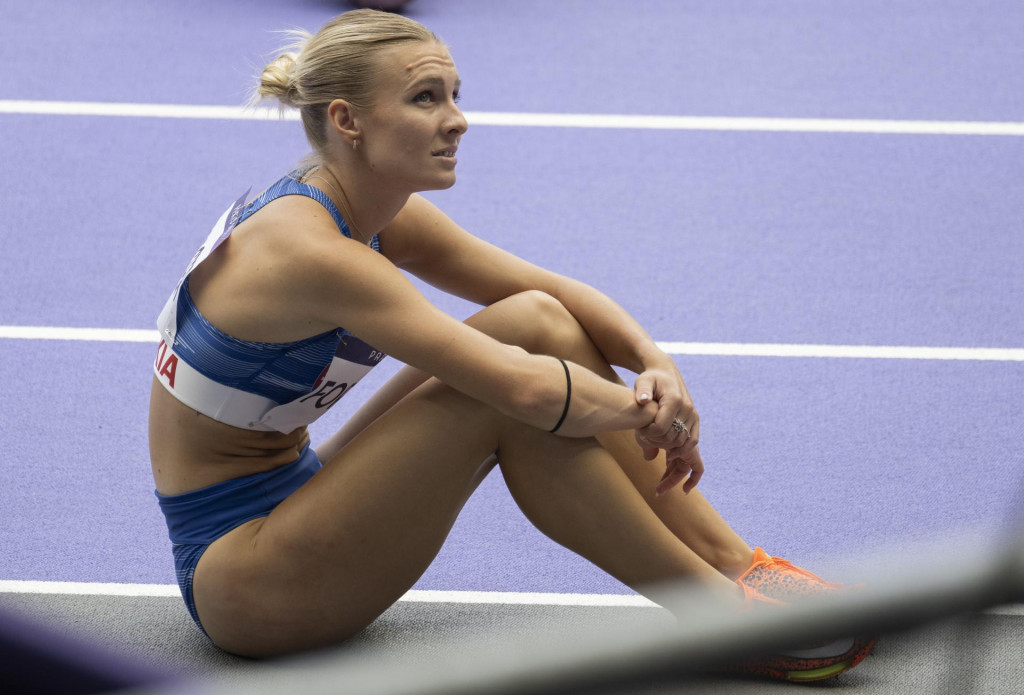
782,580
805,663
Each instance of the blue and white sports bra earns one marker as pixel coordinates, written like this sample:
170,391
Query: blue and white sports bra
256,386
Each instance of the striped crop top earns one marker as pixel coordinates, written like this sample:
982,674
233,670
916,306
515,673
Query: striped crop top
252,385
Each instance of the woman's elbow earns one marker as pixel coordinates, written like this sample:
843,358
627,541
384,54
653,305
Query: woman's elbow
530,396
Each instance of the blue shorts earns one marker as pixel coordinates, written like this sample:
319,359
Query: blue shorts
196,519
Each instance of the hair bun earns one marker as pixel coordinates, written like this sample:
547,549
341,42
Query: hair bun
278,80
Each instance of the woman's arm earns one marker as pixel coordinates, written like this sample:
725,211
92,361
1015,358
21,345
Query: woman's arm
428,244
424,241
347,284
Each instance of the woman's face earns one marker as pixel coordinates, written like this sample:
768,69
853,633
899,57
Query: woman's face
414,127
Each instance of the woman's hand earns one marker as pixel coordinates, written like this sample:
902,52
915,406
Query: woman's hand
676,427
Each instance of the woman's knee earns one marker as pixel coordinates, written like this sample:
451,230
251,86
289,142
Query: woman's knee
533,320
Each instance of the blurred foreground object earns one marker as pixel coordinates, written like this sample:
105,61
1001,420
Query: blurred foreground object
34,659
911,590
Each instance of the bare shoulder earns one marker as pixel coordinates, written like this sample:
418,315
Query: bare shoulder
266,281
327,276
288,224
294,241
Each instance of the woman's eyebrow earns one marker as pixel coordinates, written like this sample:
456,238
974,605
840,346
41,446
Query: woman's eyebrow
425,81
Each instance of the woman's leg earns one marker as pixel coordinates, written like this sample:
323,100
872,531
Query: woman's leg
554,331
689,516
350,542
577,494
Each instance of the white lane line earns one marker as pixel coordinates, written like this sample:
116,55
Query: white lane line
792,125
131,335
530,599
889,352
10,586
94,108
124,335
542,120
414,596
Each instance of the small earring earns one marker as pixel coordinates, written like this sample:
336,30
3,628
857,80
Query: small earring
355,145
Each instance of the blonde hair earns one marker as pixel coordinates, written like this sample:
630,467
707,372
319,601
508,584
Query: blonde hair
338,62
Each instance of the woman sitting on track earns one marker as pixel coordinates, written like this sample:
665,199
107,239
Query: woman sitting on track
275,553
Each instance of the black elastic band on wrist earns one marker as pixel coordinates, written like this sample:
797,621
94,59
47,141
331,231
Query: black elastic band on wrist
568,396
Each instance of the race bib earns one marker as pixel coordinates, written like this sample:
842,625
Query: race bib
351,362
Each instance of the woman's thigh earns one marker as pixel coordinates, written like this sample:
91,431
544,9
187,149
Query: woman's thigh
346,545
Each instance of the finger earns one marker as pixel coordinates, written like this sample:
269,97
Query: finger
688,437
662,425
663,432
675,438
675,470
697,467
659,436
664,477
688,414
665,481
676,458
646,438
643,389
681,466
688,445
686,448
676,475
694,438
683,412
649,449
692,420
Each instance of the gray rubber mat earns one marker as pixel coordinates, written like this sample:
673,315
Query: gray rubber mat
981,653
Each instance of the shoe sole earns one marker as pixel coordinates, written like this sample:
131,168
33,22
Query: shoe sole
781,670
818,674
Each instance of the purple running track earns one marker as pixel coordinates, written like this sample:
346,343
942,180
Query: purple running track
703,236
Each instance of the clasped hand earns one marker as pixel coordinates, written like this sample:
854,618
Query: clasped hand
683,462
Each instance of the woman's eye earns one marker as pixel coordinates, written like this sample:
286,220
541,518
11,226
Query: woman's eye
428,96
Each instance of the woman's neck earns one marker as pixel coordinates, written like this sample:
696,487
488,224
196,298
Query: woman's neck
367,205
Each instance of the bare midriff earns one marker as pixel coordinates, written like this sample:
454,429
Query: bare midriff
189,450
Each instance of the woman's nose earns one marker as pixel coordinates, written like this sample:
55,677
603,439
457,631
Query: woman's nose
458,123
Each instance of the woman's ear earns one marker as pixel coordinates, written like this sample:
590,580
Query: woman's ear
341,118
